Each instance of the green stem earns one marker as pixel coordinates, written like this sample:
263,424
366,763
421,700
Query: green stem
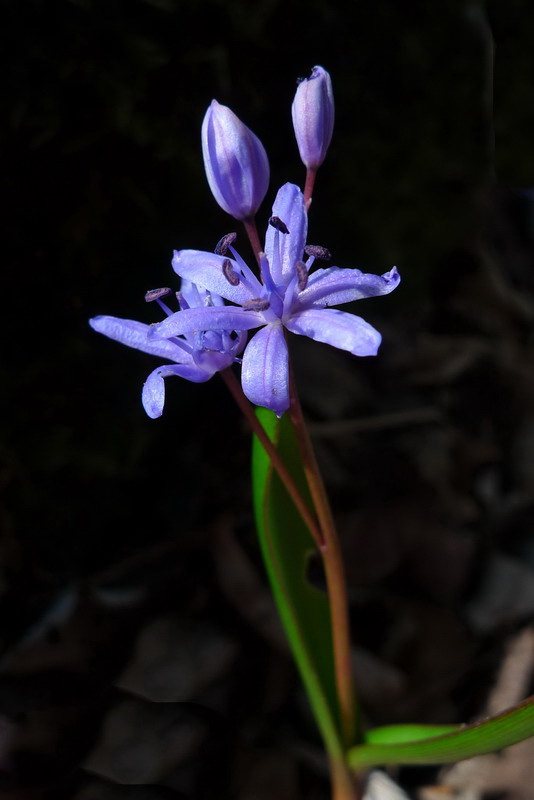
334,572
237,393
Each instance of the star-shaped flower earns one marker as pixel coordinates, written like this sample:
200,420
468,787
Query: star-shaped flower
196,356
288,296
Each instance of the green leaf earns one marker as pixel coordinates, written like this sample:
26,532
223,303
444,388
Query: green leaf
398,734
286,546
389,745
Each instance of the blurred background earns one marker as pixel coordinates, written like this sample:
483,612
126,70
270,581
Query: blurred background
141,655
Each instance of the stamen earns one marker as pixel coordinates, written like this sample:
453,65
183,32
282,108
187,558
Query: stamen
195,295
182,302
277,223
256,304
229,273
224,243
247,277
155,294
317,251
265,272
183,345
302,275
199,340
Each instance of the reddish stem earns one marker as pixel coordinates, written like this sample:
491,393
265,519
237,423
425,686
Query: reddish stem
334,572
311,174
237,393
254,239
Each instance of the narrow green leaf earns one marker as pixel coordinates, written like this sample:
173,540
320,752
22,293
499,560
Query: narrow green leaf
286,546
397,734
466,741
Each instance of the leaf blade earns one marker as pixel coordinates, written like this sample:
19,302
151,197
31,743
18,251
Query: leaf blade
510,727
286,546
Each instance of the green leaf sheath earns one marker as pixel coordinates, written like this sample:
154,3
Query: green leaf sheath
286,546
389,745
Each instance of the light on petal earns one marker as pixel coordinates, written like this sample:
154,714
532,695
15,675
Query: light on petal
264,372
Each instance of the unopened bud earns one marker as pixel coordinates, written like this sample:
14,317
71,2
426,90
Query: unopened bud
313,117
235,161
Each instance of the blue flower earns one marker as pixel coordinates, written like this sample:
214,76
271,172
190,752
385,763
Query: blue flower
196,356
313,117
236,164
288,296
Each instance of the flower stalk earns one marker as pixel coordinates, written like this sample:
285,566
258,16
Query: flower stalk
311,174
334,572
253,237
237,393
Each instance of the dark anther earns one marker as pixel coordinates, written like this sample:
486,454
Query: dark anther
155,294
229,273
302,275
277,223
317,251
224,243
256,304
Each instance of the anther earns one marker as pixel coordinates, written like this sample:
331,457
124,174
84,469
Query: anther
277,223
302,275
229,273
256,304
224,243
317,251
155,294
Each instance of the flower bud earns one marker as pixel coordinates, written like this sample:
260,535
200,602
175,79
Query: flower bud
313,117
235,161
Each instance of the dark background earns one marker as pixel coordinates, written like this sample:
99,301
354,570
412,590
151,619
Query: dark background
140,653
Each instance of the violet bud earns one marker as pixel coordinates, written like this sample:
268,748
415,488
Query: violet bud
313,117
235,161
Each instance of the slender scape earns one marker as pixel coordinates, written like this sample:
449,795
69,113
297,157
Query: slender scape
237,393
334,571
329,547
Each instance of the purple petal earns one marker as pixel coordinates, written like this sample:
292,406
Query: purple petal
337,328
153,395
333,286
205,269
289,207
212,318
213,360
264,372
235,161
135,334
